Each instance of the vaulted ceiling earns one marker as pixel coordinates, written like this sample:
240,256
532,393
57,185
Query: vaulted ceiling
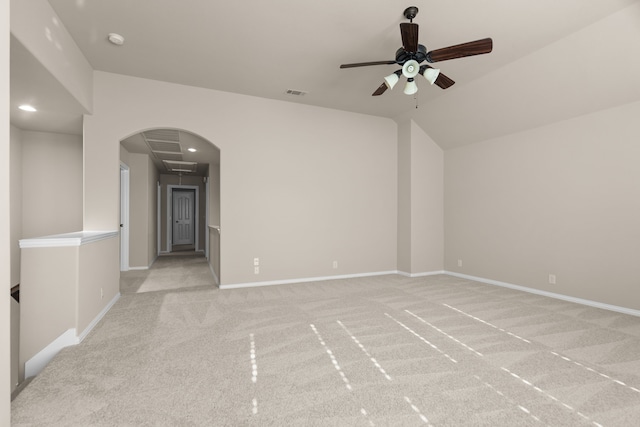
544,66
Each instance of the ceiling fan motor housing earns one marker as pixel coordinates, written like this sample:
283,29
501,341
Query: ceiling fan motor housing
403,56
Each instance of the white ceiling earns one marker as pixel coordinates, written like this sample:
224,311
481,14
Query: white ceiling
263,48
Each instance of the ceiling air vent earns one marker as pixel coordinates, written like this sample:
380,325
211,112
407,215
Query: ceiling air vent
180,166
163,140
295,92
168,135
160,155
164,147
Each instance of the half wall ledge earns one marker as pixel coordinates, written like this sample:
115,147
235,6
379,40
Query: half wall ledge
76,238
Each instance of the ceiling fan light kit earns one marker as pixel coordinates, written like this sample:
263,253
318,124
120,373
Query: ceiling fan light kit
411,54
391,80
411,86
431,74
411,68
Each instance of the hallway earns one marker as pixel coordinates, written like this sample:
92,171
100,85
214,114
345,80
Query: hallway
175,271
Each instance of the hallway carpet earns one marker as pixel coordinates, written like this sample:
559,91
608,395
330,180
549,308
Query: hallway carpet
174,271
386,350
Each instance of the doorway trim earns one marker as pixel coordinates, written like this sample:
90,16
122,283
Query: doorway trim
170,189
124,217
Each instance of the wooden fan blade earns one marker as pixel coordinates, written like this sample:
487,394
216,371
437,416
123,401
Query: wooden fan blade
366,64
409,33
477,47
444,81
380,90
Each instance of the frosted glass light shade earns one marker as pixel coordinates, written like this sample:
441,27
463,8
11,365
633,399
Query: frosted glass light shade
411,87
411,68
391,80
431,74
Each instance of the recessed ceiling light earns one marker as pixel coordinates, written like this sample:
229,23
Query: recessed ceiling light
193,150
116,39
26,107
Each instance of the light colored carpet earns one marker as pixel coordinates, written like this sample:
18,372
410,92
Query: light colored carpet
177,271
385,350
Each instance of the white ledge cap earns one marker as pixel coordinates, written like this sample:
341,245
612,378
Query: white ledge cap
76,238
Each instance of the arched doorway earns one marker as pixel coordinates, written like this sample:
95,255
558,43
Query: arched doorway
174,179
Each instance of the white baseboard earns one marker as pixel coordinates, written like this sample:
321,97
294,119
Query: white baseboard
305,280
425,274
576,300
36,364
138,268
99,317
582,301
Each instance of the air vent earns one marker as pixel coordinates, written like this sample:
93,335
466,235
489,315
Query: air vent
295,92
165,147
166,135
163,141
162,155
178,166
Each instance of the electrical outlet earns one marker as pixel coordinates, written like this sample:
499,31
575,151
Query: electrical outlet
256,270
459,263
101,293
335,264
256,261
552,279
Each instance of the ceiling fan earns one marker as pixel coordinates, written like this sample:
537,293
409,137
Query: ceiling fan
411,54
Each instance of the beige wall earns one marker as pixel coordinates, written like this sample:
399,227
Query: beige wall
562,199
152,207
427,203
300,186
98,279
16,378
5,224
64,288
48,297
420,201
214,219
51,183
15,180
404,197
139,215
214,194
124,155
143,197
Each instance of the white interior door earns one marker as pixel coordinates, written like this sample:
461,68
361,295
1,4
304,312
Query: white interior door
183,217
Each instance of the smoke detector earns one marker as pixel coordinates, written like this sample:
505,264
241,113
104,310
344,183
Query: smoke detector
116,39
